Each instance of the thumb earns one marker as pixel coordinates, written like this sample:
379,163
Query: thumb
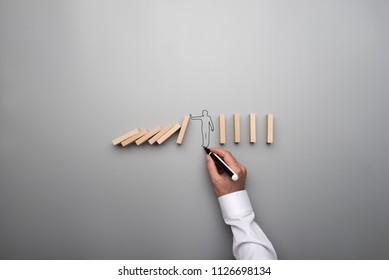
211,166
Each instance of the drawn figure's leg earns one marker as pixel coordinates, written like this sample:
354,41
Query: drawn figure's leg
202,134
207,137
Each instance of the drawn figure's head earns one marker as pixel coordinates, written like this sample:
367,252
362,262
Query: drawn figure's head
205,113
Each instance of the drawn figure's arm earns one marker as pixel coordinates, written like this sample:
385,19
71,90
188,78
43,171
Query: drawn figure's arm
195,117
211,123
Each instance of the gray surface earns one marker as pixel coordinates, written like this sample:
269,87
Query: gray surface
76,74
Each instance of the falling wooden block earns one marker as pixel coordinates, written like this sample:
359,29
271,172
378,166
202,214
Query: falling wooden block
222,129
184,126
160,133
128,141
237,127
125,136
269,128
168,134
148,135
253,131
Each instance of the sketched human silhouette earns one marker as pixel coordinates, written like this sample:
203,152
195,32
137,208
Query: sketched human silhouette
206,126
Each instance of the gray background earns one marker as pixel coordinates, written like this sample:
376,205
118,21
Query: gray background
76,74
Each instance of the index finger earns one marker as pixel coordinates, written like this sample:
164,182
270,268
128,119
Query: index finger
226,156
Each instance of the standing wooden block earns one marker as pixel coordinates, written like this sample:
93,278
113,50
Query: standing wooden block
125,136
184,126
169,133
237,127
128,141
160,133
222,129
269,128
253,129
147,136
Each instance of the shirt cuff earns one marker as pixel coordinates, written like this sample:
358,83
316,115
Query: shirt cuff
235,204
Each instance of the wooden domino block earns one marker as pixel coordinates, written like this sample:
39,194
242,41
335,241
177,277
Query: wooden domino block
184,126
125,136
128,141
168,134
269,128
237,128
222,129
253,129
148,135
160,133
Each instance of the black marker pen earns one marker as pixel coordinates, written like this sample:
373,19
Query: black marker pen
222,164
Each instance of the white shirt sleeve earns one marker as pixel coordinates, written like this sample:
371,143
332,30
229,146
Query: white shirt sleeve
249,241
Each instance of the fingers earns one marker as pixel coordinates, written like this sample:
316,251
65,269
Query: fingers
222,183
214,175
230,160
211,166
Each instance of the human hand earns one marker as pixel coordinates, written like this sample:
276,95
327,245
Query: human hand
222,183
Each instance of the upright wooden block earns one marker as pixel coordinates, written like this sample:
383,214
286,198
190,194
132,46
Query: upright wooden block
237,128
184,126
253,129
269,128
125,136
128,141
147,136
222,129
160,133
168,134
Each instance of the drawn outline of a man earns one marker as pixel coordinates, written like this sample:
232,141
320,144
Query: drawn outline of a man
206,126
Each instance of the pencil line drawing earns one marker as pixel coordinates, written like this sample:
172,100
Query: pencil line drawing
206,127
